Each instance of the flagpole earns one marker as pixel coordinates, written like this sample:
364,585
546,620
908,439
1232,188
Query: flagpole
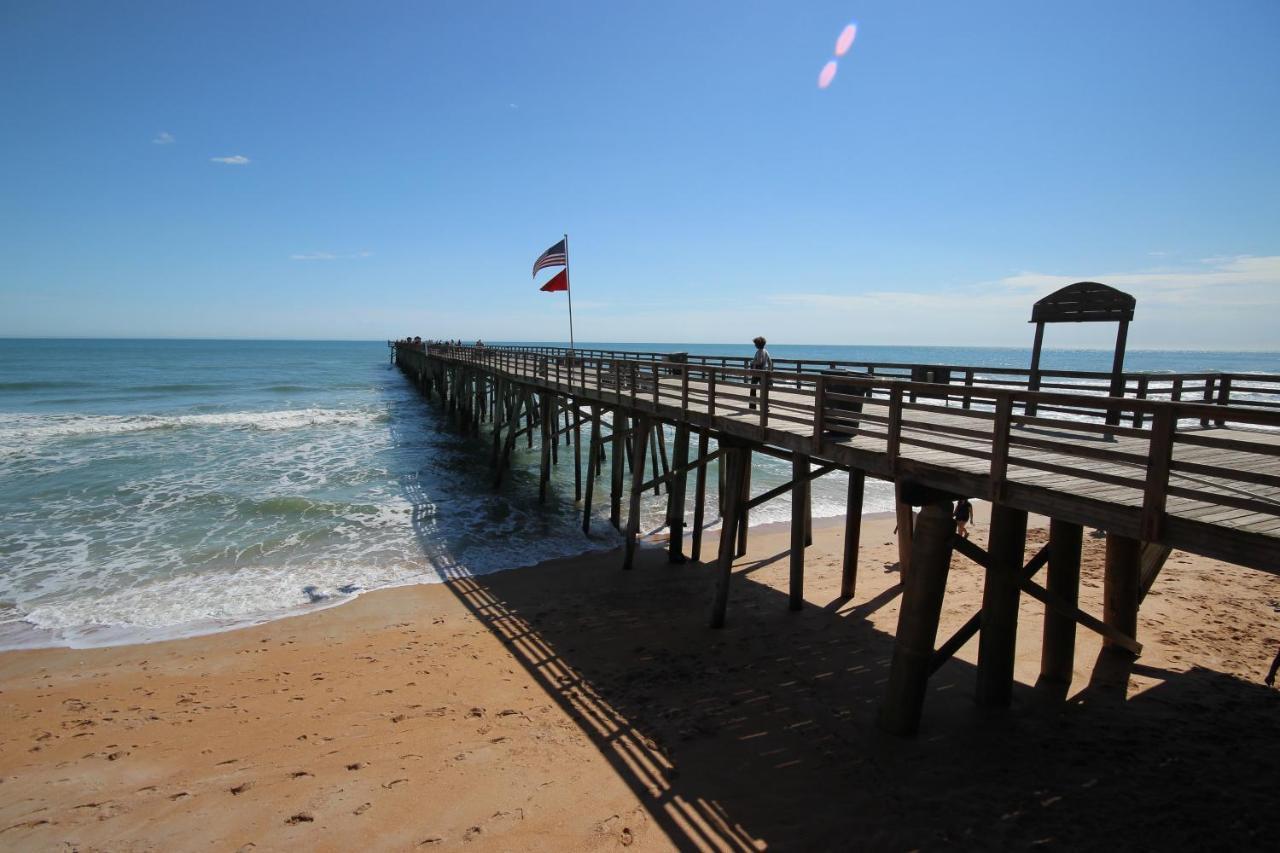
568,286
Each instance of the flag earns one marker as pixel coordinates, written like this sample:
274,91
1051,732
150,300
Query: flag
553,257
559,281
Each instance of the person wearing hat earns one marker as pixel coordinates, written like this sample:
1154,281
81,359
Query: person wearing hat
759,361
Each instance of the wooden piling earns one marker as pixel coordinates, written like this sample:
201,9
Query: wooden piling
852,532
700,496
577,452
744,496
618,453
675,494
734,462
799,505
639,438
998,639
905,532
1057,654
1122,586
592,451
548,444
653,453
498,414
918,618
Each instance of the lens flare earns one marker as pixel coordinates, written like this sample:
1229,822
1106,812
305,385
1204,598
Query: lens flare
827,74
847,35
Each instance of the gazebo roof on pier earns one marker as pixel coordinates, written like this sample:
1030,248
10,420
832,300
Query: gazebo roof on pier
1084,302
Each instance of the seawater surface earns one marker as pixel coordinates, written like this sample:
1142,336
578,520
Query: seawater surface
152,489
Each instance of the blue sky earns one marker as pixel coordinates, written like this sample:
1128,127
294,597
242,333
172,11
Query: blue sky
333,170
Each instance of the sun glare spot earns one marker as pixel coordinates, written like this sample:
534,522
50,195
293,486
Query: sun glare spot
827,74
847,35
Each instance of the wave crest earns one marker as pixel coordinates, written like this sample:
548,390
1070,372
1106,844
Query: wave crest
17,431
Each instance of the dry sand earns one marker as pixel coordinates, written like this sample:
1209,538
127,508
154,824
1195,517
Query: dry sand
573,706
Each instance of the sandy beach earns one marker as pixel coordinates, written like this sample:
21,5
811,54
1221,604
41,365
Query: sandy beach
573,706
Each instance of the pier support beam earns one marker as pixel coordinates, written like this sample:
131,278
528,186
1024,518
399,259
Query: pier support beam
577,451
593,450
906,519
999,636
852,532
1122,586
799,527
744,496
700,495
734,463
675,494
1057,655
639,440
499,411
922,598
618,454
548,442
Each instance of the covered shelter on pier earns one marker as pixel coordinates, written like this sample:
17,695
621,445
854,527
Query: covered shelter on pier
1084,302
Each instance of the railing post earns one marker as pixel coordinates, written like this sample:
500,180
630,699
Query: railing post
684,392
765,382
1208,396
968,383
1159,458
819,404
656,377
1000,444
1224,395
711,392
1142,395
894,437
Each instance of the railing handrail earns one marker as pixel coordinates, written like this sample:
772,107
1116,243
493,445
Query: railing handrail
1081,404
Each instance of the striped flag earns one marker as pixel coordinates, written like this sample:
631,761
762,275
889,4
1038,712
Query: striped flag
553,257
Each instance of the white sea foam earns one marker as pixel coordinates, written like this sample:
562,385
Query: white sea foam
18,431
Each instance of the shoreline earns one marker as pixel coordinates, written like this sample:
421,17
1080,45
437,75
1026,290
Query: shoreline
572,705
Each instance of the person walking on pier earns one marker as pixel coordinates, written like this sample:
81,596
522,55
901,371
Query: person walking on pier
759,361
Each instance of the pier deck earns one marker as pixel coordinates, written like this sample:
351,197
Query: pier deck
1221,490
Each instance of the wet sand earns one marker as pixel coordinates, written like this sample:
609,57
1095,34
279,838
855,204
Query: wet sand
573,706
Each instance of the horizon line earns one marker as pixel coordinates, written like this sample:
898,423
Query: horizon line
564,344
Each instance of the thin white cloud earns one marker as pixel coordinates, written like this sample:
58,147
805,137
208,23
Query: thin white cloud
1216,303
233,160
1211,279
329,256
164,137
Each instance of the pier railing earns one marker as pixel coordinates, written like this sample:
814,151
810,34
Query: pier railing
1260,390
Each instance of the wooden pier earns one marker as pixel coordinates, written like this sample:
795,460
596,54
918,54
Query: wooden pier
1157,461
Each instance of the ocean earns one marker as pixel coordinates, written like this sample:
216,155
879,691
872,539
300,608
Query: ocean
152,489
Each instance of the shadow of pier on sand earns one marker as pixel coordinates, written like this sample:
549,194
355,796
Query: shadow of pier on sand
763,734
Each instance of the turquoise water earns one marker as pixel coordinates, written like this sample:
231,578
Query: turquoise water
151,489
